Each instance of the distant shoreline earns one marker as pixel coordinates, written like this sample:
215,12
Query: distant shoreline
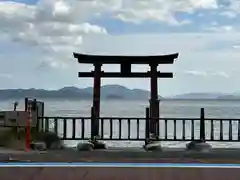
107,99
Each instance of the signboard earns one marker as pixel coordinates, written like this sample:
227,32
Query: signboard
16,118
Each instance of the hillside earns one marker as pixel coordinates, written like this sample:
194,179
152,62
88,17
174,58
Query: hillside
110,92
107,92
194,96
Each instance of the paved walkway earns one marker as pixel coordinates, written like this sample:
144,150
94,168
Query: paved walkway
125,154
118,174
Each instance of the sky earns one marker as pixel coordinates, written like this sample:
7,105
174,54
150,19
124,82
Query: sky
38,38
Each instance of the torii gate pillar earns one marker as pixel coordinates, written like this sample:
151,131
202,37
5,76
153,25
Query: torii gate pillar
154,101
96,95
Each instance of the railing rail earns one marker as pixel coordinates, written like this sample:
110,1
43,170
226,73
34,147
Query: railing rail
137,128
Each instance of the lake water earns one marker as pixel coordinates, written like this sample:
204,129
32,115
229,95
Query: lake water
168,109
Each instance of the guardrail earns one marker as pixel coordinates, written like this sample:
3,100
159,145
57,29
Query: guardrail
137,129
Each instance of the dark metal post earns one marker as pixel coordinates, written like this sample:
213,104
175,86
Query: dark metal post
202,125
34,105
42,117
199,145
93,123
147,126
158,116
26,104
154,102
37,116
42,109
35,111
96,96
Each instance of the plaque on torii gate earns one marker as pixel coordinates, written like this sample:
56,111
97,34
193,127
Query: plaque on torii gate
126,62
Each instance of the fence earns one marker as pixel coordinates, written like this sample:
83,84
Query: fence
137,129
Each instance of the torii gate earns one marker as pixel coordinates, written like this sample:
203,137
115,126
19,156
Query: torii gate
126,62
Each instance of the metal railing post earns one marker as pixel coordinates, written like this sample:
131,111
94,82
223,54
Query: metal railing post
93,123
202,125
147,116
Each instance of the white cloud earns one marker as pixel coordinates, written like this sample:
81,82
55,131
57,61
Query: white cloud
54,25
206,73
60,25
236,46
220,29
161,10
229,14
38,23
196,73
55,33
52,63
72,10
221,74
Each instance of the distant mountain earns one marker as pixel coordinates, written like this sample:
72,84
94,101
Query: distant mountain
123,92
107,92
229,97
69,93
113,92
195,96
